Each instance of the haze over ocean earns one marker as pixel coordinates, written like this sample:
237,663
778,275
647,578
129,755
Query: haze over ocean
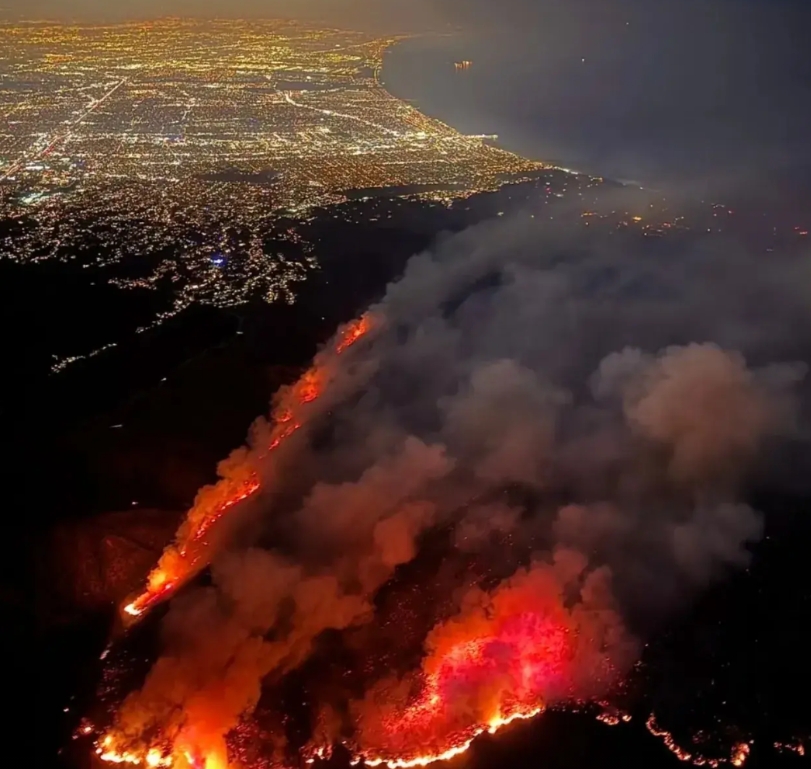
716,94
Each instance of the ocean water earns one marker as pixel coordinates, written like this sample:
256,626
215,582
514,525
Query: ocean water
708,100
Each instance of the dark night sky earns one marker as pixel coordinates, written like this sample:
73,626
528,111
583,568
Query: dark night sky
695,90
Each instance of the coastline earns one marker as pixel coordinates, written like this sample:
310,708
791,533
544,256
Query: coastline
493,141
398,45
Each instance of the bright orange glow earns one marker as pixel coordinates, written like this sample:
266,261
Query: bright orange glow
153,758
738,757
504,665
494,725
309,386
480,682
739,754
156,759
790,747
482,673
248,489
354,331
667,738
181,560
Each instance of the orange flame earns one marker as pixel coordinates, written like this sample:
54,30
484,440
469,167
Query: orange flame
183,559
790,747
157,760
354,331
539,642
507,665
738,756
494,725
153,758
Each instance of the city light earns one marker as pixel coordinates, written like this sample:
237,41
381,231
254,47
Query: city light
147,141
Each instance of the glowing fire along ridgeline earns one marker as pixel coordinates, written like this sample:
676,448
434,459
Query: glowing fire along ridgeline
503,666
183,559
511,663
494,725
157,760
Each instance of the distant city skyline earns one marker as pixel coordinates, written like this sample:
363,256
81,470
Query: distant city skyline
104,121
391,15
345,12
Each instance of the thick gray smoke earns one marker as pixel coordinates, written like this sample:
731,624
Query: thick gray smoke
630,398
646,389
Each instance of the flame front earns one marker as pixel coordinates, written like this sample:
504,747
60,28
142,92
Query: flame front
475,685
505,657
738,756
503,672
154,758
502,660
187,555
494,725
353,332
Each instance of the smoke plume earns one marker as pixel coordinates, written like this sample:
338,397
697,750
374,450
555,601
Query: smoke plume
572,425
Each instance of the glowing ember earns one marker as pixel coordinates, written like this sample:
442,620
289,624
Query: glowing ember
497,723
739,754
508,670
667,738
153,758
354,331
613,717
738,757
184,558
790,747
547,634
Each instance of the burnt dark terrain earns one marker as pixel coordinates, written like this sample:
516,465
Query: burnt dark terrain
102,460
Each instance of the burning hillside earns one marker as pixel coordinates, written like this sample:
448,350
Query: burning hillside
240,480
504,658
480,499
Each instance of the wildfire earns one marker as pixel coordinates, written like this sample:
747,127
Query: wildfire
156,758
153,758
612,717
161,582
184,558
738,756
494,725
505,670
790,747
354,331
508,653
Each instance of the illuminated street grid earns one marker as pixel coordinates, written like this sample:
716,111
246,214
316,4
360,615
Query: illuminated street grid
167,103
190,140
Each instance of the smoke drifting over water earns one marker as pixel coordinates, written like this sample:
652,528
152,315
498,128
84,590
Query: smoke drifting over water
559,433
